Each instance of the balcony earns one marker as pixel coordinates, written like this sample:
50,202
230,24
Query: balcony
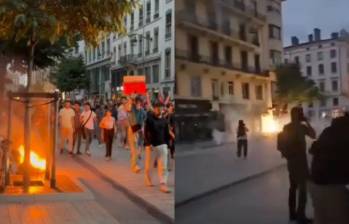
214,28
244,10
216,62
130,59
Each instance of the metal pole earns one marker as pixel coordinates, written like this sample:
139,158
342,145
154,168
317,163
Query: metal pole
54,142
27,124
50,145
7,150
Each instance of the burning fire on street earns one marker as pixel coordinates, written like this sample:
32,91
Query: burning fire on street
35,160
270,124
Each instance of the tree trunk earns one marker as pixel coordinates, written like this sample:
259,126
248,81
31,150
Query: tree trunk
27,122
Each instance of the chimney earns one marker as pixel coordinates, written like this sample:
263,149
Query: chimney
334,35
317,34
310,38
294,41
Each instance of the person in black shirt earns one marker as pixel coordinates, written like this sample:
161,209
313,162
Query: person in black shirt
156,138
297,163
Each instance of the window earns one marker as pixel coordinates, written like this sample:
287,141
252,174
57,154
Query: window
274,32
333,53
168,32
125,49
155,73
140,16
140,71
147,75
147,44
320,56
132,21
228,55
311,105
322,86
156,11
296,59
156,40
148,11
322,103
321,69
168,64
231,88
335,101
309,70
259,92
334,85
275,57
214,88
132,45
308,57
222,88
195,86
334,67
245,91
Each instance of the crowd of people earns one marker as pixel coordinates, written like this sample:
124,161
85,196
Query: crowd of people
144,127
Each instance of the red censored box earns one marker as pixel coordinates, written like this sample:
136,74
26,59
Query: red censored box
134,85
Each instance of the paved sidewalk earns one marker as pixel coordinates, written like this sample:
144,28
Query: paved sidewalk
203,170
59,212
118,172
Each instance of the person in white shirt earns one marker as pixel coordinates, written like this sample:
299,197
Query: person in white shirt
88,119
66,121
108,129
123,122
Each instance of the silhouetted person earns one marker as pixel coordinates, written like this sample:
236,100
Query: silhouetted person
330,174
294,150
242,139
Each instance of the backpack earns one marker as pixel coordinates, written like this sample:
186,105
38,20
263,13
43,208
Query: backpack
287,142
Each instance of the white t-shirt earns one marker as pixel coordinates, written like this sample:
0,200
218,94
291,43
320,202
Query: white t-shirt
90,122
66,117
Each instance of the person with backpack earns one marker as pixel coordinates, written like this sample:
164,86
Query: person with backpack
330,174
242,139
292,145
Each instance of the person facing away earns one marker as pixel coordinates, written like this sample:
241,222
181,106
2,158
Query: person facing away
297,164
108,129
157,136
242,139
88,119
77,128
66,120
330,174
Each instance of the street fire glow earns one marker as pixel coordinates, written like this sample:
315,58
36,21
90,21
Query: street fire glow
269,124
35,160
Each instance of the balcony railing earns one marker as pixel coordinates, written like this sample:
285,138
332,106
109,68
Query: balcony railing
215,26
217,62
247,10
130,59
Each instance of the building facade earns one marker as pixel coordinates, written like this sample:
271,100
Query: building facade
147,49
225,51
326,62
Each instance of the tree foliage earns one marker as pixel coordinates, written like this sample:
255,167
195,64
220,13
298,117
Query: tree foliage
292,87
70,75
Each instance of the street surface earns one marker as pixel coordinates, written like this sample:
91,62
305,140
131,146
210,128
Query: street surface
262,200
110,205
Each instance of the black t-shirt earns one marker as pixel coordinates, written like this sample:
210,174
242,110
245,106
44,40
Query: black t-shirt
156,130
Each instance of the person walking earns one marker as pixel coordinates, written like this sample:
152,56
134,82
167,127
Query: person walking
108,129
242,142
99,110
88,119
156,139
292,144
123,122
66,121
77,128
330,174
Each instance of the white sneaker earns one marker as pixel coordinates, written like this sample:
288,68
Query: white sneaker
164,188
88,152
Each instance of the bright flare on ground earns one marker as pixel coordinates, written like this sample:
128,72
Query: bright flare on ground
35,160
269,124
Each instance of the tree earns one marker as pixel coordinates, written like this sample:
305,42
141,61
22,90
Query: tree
70,75
293,88
37,21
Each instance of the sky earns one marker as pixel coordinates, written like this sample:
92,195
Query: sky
300,17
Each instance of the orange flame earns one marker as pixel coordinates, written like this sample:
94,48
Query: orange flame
269,124
35,160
